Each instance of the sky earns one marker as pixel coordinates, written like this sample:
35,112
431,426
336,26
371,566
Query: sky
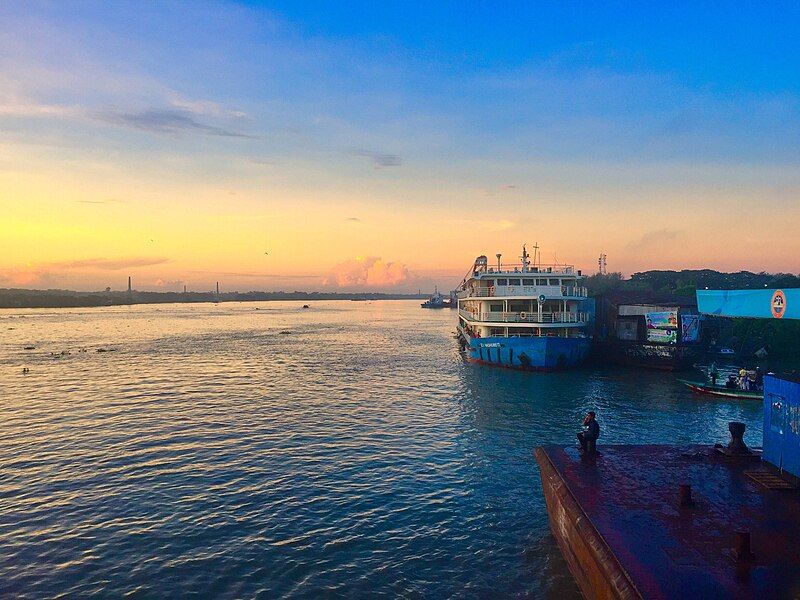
382,146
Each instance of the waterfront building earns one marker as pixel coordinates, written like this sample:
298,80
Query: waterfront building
651,330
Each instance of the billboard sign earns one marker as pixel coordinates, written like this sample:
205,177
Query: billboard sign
662,320
762,304
690,328
662,336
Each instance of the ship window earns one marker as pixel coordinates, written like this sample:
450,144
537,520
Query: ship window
502,282
528,282
541,282
496,307
554,282
513,282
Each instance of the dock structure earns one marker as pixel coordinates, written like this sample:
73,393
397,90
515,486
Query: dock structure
673,522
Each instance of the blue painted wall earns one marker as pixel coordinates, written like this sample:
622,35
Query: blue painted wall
765,304
782,423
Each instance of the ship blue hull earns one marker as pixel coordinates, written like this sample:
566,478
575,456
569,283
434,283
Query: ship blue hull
528,353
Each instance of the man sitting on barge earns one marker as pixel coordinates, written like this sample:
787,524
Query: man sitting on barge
588,437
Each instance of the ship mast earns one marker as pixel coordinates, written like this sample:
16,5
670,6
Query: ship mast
535,251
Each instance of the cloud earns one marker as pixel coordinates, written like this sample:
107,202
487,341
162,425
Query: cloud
169,121
653,239
205,107
35,109
353,219
42,273
104,264
371,271
168,282
106,201
501,225
380,159
254,275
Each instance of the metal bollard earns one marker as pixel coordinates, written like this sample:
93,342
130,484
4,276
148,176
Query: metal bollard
742,547
685,494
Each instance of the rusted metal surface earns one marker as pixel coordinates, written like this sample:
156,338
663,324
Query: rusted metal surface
591,562
624,512
771,480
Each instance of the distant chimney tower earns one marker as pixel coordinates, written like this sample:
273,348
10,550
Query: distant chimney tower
184,289
218,288
129,284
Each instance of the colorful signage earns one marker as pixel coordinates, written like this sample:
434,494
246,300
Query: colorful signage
662,320
662,336
778,304
761,304
690,328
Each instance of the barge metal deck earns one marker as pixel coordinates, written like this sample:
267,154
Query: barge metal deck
622,528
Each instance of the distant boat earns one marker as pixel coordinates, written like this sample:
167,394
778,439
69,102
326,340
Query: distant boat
435,301
720,390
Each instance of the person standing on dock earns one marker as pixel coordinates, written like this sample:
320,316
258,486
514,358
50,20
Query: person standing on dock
588,437
713,374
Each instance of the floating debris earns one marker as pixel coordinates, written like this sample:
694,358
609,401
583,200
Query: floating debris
30,347
25,370
284,332
106,350
306,306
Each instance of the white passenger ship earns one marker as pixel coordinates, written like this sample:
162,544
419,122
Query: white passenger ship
524,316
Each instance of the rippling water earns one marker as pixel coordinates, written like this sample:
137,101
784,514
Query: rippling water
261,450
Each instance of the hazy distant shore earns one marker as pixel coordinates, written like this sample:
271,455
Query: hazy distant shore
22,298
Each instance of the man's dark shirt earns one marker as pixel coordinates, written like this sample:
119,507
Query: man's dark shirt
592,430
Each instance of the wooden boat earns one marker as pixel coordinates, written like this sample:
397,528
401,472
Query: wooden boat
720,390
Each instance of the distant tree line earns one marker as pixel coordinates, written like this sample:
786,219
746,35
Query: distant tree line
687,282
781,339
21,298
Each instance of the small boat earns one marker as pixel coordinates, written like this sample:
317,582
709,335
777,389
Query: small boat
435,301
720,390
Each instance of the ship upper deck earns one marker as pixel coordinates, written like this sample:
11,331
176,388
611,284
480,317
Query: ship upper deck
526,279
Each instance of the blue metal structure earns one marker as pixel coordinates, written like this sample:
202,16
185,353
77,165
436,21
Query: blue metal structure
782,423
529,353
765,304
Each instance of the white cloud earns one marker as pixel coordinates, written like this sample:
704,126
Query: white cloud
371,272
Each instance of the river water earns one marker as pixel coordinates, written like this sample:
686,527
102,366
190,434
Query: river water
260,450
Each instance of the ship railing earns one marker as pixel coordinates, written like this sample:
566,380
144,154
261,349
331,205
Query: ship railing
518,268
548,291
546,334
523,317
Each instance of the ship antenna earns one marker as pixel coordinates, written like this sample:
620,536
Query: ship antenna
525,256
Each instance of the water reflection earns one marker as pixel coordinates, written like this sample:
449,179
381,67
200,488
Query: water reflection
342,449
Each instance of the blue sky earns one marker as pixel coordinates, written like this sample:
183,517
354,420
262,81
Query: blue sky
641,121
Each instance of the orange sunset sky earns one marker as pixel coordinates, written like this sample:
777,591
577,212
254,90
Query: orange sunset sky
187,144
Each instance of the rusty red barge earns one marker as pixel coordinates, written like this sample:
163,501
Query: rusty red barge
683,521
